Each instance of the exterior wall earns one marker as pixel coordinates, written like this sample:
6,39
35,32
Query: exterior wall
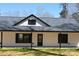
9,39
49,39
73,39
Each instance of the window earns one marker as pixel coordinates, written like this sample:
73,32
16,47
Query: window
32,22
63,38
23,38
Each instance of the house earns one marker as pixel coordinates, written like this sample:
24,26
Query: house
33,31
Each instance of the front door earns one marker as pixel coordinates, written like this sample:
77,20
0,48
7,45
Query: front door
40,40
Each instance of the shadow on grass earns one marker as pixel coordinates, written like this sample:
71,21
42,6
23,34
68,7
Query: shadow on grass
40,53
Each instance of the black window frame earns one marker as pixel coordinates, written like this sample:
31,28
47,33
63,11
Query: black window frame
32,22
62,38
23,40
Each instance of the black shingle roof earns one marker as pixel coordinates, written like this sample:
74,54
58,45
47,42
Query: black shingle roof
57,24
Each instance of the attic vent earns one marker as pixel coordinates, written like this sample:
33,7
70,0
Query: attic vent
31,21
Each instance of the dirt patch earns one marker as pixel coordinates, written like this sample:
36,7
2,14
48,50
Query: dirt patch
14,53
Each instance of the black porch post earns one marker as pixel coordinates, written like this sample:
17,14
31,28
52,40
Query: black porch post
1,39
31,40
60,41
59,45
31,35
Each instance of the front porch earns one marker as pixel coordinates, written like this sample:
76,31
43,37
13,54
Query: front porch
38,40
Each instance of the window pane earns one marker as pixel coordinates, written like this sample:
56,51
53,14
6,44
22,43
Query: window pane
26,38
32,22
62,38
19,38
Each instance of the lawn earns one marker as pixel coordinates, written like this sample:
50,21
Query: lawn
39,52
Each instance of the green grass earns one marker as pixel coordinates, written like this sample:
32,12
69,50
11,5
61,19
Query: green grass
46,51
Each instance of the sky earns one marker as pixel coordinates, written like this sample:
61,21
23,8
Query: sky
24,9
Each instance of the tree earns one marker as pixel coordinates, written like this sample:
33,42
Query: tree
70,8
77,6
64,11
76,13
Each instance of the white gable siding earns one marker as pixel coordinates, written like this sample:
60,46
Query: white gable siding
26,24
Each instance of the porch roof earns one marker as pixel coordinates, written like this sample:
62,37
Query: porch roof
60,28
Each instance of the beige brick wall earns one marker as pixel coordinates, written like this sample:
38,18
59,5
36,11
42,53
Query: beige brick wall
49,39
9,39
73,39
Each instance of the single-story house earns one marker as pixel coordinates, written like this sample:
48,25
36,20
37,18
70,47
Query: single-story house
38,32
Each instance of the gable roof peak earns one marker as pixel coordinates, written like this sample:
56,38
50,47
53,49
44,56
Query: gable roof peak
32,15
28,17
